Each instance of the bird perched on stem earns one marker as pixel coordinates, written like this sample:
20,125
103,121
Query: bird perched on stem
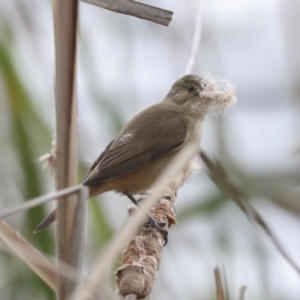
144,147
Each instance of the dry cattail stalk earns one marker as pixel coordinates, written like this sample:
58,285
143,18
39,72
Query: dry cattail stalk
142,256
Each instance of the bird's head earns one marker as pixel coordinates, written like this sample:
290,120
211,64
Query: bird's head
193,94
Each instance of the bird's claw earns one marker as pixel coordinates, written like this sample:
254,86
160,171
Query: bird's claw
151,223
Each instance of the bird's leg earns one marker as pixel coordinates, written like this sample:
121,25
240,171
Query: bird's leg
151,223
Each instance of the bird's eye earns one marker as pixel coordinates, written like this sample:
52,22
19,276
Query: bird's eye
191,89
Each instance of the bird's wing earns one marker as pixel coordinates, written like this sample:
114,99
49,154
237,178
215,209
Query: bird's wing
96,162
152,137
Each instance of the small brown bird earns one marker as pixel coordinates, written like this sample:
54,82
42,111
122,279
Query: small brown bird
145,146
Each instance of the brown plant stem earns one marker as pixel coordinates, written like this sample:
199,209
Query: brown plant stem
221,288
135,9
65,25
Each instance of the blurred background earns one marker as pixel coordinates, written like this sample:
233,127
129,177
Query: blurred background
127,64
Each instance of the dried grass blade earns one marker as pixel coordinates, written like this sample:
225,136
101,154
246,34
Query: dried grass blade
78,238
242,293
39,262
135,9
38,201
196,39
221,285
30,255
230,190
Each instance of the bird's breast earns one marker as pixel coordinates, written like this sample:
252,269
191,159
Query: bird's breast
195,129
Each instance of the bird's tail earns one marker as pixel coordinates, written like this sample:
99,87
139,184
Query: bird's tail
46,222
